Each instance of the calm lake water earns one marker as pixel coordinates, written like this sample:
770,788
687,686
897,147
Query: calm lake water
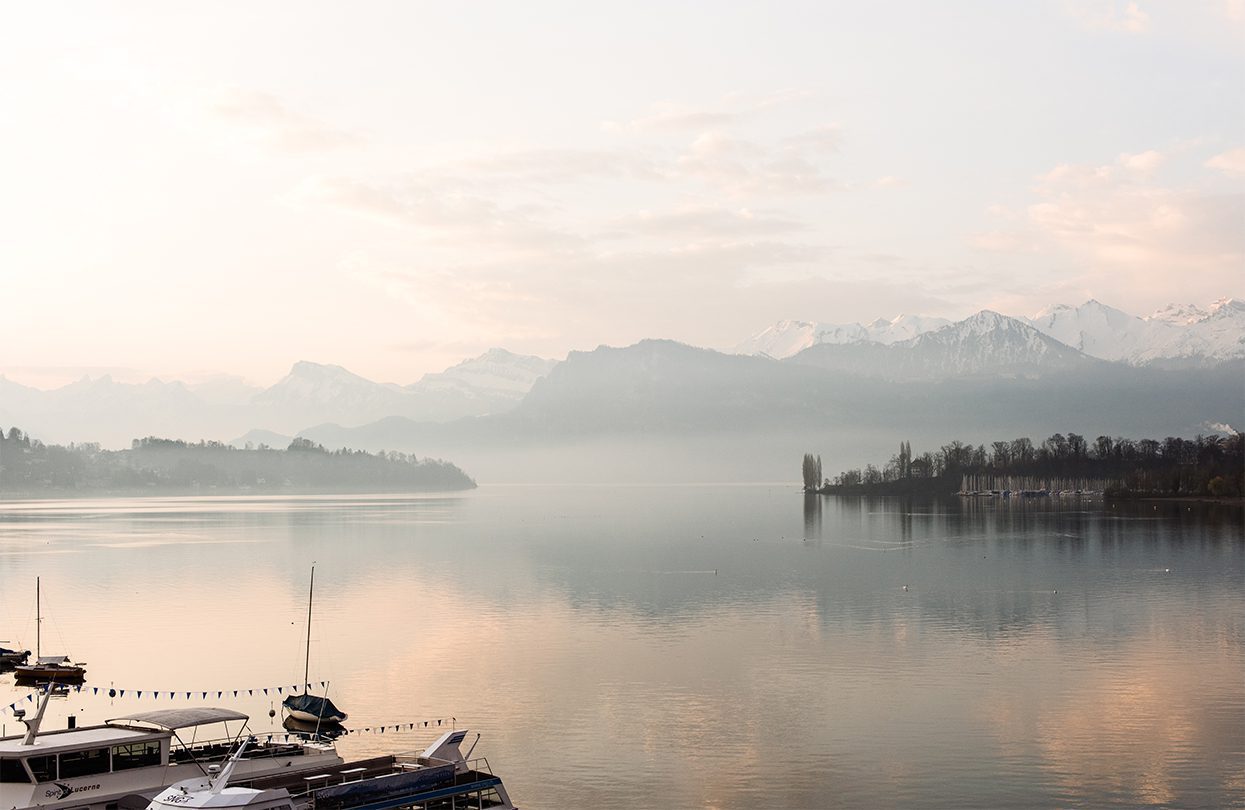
671,647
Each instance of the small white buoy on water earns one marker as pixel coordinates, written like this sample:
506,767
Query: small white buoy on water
905,587
1055,591
1167,570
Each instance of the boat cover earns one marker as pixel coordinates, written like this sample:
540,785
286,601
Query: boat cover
171,719
315,706
54,659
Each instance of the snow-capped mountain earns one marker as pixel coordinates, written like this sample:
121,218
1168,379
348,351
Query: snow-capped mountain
497,373
787,338
983,345
313,393
1099,330
1174,335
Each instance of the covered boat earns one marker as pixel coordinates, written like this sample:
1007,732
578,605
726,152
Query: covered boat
312,709
10,658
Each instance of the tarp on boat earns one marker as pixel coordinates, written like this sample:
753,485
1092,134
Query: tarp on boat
315,706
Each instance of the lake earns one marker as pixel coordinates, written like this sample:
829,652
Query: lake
681,646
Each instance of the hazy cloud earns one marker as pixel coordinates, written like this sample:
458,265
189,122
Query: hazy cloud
440,213
1144,162
1112,218
706,222
1231,162
562,165
739,167
1109,15
263,118
668,116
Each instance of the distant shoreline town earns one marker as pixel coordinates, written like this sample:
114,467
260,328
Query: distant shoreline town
1205,466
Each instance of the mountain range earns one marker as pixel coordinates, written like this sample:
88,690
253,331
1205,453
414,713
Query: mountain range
1090,367
1173,335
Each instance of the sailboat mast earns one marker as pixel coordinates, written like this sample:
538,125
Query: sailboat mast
307,660
38,622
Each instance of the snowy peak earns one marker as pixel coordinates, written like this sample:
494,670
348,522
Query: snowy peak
1096,329
1175,335
1178,333
788,338
1179,314
986,344
497,372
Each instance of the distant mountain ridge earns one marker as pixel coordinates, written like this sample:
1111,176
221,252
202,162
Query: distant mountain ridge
1173,335
113,413
654,383
986,344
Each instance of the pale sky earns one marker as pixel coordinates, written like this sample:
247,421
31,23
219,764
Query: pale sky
189,189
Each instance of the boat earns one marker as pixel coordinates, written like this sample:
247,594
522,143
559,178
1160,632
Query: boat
309,708
312,709
441,776
11,658
55,668
95,767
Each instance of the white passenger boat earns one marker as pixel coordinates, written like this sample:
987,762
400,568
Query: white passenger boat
93,767
440,777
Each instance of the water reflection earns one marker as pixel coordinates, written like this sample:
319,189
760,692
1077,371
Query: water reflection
684,645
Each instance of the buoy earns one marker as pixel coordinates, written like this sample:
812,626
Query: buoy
1167,570
1055,591
905,587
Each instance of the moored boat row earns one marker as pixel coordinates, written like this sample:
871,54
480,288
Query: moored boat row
127,761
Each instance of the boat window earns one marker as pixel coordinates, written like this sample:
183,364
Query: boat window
84,763
11,770
44,768
135,755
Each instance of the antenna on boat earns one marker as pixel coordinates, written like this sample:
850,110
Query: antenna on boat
38,621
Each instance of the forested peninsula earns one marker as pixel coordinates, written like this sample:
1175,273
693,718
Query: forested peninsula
28,466
1205,466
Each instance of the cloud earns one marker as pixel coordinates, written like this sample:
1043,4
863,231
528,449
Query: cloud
262,117
1144,162
1231,162
741,168
1113,222
560,165
1109,15
438,212
668,116
704,222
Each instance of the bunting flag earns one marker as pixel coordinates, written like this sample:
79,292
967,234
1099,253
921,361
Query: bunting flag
418,724
173,694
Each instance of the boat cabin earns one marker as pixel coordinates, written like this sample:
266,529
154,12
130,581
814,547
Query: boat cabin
91,767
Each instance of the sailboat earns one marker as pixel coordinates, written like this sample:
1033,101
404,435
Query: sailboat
56,668
309,708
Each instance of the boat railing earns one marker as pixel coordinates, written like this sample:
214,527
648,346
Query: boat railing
267,745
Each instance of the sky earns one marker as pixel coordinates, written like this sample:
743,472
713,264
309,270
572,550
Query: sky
192,189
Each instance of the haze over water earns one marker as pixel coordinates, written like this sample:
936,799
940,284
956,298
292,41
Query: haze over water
660,647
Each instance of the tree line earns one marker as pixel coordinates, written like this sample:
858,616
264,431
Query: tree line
1204,465
27,465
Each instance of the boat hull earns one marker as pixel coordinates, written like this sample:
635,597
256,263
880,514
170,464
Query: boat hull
307,717
35,672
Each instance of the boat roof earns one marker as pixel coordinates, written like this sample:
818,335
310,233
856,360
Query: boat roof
51,742
171,719
54,659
